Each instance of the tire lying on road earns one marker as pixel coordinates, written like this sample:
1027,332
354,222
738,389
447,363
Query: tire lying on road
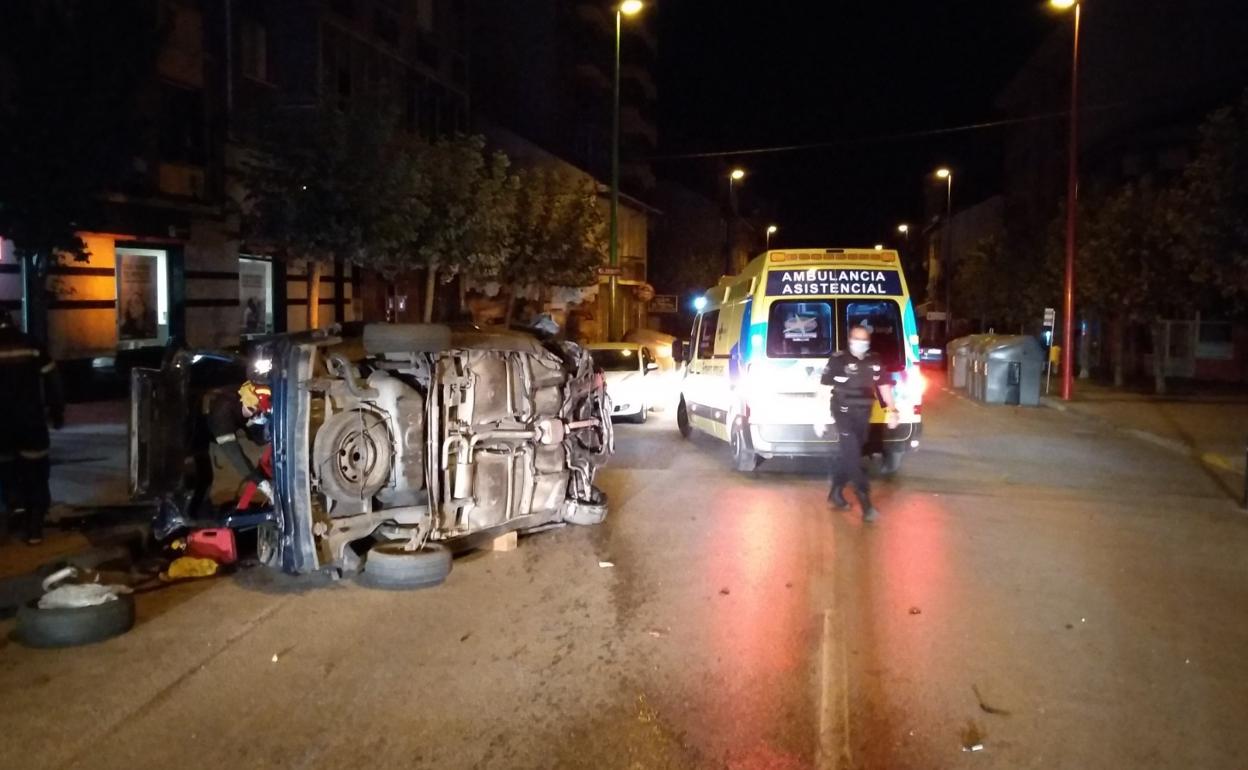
406,338
388,565
73,626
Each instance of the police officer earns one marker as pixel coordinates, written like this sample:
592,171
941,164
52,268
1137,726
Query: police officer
30,398
856,379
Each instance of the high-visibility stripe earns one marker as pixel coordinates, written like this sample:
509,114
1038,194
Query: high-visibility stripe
19,353
49,367
37,454
226,439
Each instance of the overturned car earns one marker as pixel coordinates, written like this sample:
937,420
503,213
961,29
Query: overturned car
393,449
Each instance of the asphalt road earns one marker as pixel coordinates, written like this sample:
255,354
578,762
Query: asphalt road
1056,597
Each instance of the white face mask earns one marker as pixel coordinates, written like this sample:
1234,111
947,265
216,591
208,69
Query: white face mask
859,348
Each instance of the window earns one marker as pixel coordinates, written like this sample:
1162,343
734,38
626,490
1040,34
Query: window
883,318
142,297
255,295
254,50
801,330
182,124
1216,341
706,334
614,360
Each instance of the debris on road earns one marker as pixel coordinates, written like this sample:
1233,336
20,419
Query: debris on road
187,567
985,707
724,592
915,611
972,737
464,638
275,657
605,564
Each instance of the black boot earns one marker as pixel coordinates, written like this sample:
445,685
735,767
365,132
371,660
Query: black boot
869,512
837,498
34,526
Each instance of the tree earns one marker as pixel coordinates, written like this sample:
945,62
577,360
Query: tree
470,198
991,285
558,233
72,77
327,184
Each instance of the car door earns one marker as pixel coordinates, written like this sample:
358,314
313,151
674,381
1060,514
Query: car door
159,427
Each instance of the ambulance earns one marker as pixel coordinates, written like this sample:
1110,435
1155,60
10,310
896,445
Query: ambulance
760,341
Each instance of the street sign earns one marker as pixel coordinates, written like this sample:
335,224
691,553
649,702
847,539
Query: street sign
607,272
1050,317
664,304
936,315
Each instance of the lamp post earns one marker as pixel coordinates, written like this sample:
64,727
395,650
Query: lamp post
734,176
626,8
1072,196
947,257
904,229
771,230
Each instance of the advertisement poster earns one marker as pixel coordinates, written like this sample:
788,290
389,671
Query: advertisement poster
253,296
137,297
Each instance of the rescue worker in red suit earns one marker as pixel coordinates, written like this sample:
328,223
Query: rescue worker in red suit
30,399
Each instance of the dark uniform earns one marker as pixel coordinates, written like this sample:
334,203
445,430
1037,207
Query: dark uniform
220,422
30,397
855,382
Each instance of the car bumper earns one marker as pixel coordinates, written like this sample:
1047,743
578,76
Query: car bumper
904,438
770,440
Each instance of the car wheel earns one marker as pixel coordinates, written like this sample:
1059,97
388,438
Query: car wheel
388,565
352,455
586,513
641,417
682,420
743,457
406,338
73,626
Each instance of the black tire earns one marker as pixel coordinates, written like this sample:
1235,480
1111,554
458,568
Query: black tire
587,513
406,338
74,626
743,457
682,420
389,566
352,452
890,461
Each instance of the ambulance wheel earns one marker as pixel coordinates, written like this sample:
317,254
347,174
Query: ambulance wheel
743,457
682,420
890,461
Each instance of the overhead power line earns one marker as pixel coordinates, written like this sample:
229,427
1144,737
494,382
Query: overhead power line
925,133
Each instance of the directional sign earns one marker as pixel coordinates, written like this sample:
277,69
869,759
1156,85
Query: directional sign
664,304
610,271
1050,317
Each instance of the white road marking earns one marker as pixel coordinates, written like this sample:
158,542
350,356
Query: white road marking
833,741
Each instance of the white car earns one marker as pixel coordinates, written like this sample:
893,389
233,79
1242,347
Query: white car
629,370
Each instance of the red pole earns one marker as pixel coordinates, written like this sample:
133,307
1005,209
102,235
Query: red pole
1072,192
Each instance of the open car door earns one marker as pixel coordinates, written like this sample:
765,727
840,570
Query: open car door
159,428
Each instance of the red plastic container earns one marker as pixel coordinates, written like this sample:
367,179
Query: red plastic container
215,544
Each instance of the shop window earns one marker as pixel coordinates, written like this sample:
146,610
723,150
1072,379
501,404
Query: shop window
1216,341
254,50
255,295
142,297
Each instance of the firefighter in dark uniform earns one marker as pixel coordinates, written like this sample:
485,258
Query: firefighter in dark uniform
227,413
856,378
30,398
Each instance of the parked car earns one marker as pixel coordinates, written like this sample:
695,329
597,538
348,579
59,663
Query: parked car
394,449
631,373
931,353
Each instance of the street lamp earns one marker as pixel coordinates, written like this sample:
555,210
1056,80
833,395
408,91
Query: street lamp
947,257
1072,195
771,230
904,229
734,176
626,8
879,247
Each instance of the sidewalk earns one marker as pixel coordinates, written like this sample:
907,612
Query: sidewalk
88,472
1211,427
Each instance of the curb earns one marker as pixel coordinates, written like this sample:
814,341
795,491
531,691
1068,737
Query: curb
1210,459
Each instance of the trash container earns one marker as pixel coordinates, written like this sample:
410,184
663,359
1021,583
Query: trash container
957,353
1013,367
977,355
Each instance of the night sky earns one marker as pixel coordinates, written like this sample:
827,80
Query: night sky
739,74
